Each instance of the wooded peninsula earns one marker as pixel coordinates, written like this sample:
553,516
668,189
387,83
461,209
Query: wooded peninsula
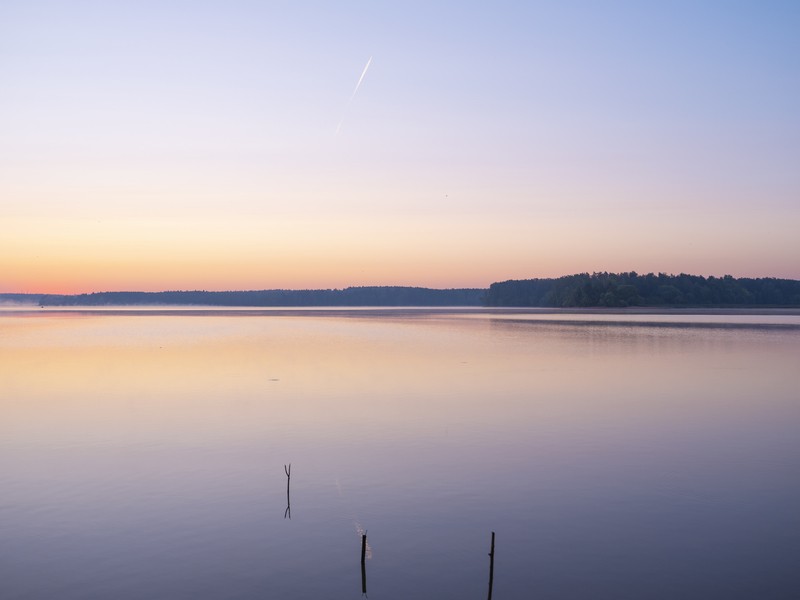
583,290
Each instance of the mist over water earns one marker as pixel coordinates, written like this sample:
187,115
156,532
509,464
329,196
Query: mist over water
142,454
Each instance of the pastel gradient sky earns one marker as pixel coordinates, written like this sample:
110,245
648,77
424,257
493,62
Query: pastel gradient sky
157,145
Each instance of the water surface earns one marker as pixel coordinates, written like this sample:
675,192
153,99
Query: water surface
616,456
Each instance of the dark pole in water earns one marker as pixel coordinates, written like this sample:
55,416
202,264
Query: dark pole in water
363,566
491,568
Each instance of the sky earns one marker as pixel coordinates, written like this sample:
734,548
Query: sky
161,145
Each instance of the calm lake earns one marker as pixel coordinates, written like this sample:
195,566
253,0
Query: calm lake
616,456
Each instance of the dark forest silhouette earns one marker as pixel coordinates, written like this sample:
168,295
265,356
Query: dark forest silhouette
582,290
631,289
353,296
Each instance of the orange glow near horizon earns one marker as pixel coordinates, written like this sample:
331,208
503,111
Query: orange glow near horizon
294,253
144,148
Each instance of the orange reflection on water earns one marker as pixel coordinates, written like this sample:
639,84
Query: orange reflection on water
74,378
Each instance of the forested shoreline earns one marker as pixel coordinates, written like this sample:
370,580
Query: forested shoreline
352,296
582,290
620,290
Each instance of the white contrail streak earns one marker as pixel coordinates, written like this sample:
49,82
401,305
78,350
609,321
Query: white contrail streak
353,95
360,79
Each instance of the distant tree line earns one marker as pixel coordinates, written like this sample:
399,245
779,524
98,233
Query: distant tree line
581,290
19,298
632,289
352,296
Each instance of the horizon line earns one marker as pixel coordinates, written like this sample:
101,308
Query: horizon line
362,286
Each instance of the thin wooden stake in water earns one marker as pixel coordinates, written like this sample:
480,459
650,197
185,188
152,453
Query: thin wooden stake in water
288,471
491,568
363,565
